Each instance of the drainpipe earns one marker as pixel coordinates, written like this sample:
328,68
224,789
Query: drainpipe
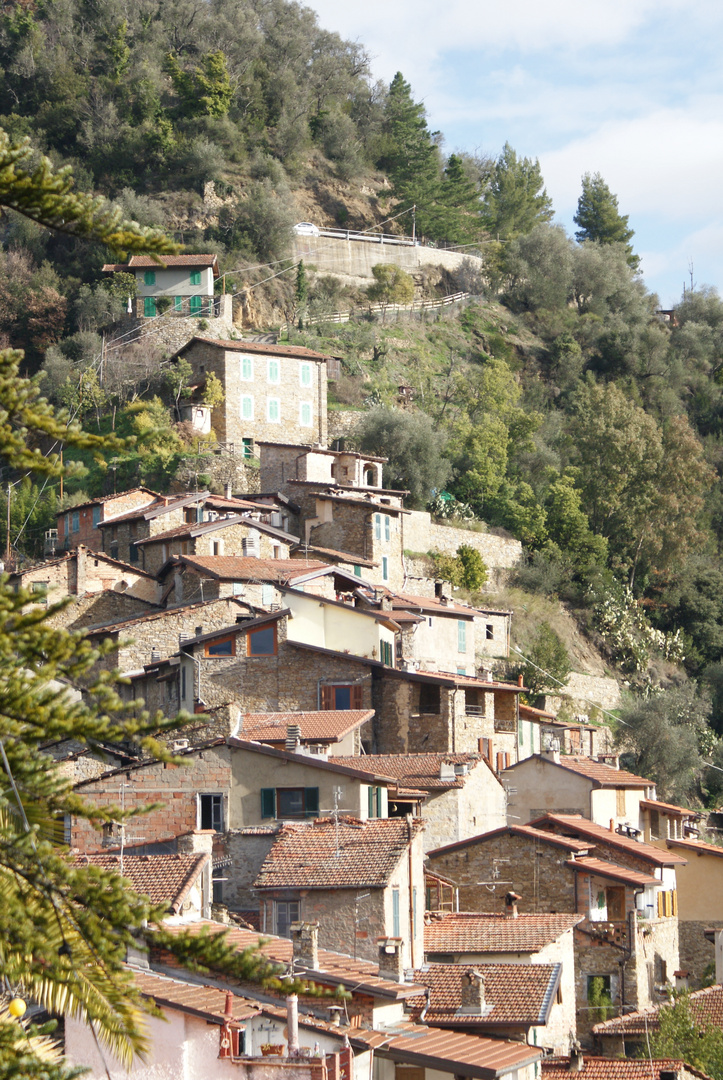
410,835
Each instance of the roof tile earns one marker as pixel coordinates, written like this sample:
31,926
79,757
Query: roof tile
600,1068
419,770
479,932
328,725
162,878
517,994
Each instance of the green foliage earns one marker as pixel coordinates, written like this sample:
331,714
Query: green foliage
599,999
599,218
547,664
213,394
392,285
569,529
516,199
682,1034
204,91
466,569
413,448
628,633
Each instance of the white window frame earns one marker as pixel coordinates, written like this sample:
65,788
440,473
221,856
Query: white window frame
304,371
250,399
273,365
306,405
269,402
250,376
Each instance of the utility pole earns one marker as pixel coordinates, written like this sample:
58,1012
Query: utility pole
8,551
102,359
414,223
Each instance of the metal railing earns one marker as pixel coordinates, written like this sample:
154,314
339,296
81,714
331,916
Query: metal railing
382,309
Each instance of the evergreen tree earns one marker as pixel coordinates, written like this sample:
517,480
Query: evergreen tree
461,202
410,154
600,220
516,199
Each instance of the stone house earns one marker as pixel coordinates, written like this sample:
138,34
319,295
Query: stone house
524,940
513,1001
316,620
627,945
80,524
252,579
463,794
628,1035
360,881
185,282
289,469
436,634
271,392
330,732
547,733
492,632
555,783
239,535
84,572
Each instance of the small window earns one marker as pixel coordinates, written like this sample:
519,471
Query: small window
377,526
210,812
195,305
149,306
357,571
286,912
461,635
306,414
385,568
429,699
218,547
387,656
76,521
178,303
96,516
386,527
297,802
267,595
247,369
262,642
217,880
39,586
342,697
375,802
149,278
273,371
247,411
396,928
133,553
221,647
273,410
305,374
489,632
195,277
248,444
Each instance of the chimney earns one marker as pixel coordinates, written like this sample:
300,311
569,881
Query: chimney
511,904
293,738
81,555
228,489
386,604
520,680
292,1024
305,941
681,980
552,753
390,959
198,842
473,994
485,674
577,1061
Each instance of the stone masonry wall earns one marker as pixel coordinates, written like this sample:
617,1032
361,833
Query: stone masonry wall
222,541
345,925
696,952
170,332
100,608
585,692
422,535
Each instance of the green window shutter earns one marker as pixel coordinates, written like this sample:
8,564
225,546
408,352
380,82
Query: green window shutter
386,527
149,278
461,636
379,801
195,305
370,794
311,801
178,303
395,913
357,571
195,277
149,306
268,802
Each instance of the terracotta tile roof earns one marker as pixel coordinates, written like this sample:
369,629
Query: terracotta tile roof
535,714
257,347
478,932
407,601
162,878
334,968
668,808
707,1005
201,527
602,775
698,847
341,556
420,770
589,865
576,825
304,855
566,842
247,568
144,261
448,1051
600,1068
329,725
100,499
516,994
207,1002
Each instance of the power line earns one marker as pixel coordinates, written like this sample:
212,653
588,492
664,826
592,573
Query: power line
590,701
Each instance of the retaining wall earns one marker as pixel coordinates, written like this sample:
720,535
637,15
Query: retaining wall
355,258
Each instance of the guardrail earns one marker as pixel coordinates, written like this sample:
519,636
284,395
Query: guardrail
383,309
368,238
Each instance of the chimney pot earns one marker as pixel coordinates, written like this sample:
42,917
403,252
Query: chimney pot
520,680
473,994
305,942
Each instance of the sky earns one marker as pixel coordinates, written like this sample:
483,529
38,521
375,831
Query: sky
628,88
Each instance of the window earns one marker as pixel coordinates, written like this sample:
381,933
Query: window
489,631
262,642
178,303
218,547
149,306
195,277
286,912
273,371
39,586
620,802
195,304
377,526
414,910
485,748
521,733
248,444
267,595
96,516
429,698
341,697
67,524
599,996
306,414
298,802
503,761
304,374
76,521
357,571
395,913
385,568
132,553
210,812
221,647
247,369
375,802
386,527
273,410
149,278
217,880
387,653
191,514
461,635
247,413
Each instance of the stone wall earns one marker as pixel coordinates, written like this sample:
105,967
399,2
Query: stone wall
585,692
421,534
170,332
100,608
342,422
246,850
355,258
696,952
224,540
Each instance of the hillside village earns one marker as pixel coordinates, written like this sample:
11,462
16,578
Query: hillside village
358,783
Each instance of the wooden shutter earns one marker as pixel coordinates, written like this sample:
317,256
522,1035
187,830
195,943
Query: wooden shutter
372,804
485,748
268,802
311,801
661,905
500,761
356,697
327,697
